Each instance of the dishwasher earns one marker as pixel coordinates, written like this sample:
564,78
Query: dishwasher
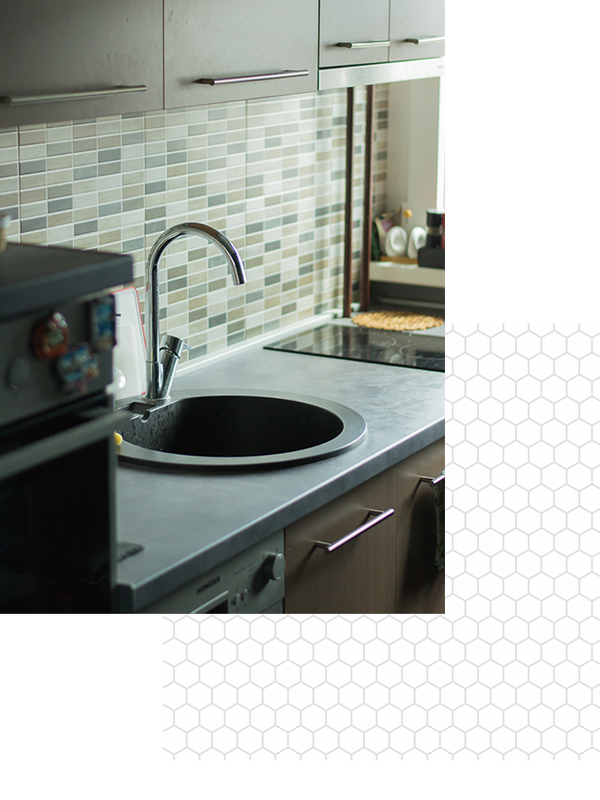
251,582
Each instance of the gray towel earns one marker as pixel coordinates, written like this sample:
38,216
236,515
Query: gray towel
440,509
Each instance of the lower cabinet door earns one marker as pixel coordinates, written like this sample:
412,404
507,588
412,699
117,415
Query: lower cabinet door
420,581
358,574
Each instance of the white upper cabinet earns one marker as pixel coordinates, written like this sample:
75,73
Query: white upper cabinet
353,32
81,59
78,59
417,29
223,50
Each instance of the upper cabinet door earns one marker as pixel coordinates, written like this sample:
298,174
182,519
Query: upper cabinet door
222,50
353,32
417,29
79,59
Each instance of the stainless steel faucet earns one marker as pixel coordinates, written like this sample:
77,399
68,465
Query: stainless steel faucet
161,366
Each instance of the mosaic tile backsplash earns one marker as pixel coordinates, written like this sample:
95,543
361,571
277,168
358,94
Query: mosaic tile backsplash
268,173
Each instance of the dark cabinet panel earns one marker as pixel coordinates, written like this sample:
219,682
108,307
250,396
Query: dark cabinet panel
224,50
390,568
417,29
79,59
359,576
352,32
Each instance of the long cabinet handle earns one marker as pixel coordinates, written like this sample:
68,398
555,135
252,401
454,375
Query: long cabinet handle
434,481
369,523
357,45
268,76
18,100
426,40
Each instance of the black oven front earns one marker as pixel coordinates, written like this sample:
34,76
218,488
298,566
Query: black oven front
57,511
57,422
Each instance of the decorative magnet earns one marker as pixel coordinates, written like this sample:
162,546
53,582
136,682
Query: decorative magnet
50,337
77,367
103,323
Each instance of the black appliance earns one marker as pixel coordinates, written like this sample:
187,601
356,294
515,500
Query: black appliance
353,343
57,450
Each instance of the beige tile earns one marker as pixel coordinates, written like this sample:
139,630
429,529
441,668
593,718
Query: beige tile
35,237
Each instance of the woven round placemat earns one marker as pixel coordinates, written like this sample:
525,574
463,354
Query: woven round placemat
397,321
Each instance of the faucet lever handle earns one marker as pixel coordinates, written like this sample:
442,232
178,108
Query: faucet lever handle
170,352
173,344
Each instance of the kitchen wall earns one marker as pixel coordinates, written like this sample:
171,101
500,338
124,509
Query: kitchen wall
269,173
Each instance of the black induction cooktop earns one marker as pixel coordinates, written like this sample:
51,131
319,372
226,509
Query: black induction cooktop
400,349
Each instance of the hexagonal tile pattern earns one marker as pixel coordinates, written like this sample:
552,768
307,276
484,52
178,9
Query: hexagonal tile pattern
510,672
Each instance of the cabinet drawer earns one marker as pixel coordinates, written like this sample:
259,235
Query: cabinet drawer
79,60
422,23
238,50
359,576
362,30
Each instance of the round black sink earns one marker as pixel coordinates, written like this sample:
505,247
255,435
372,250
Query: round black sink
232,430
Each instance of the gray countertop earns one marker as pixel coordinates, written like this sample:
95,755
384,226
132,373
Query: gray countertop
189,523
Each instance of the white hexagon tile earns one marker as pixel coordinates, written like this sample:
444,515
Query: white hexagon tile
510,672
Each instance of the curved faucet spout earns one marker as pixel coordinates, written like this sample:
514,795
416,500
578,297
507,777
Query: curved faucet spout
157,388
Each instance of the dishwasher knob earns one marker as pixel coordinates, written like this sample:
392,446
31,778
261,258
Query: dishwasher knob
274,566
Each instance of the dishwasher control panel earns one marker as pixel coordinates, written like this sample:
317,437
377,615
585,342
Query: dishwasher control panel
253,582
